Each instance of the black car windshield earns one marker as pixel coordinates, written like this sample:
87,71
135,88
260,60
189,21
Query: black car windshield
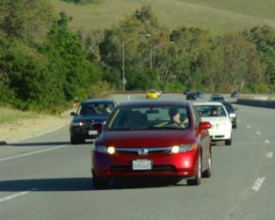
95,109
229,107
149,118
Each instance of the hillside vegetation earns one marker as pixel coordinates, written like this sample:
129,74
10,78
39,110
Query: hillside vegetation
54,53
215,15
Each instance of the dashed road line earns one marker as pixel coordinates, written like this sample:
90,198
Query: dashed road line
269,155
258,184
267,141
31,153
258,132
16,195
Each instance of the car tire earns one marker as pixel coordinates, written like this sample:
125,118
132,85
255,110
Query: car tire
228,141
234,126
74,140
208,172
99,183
196,180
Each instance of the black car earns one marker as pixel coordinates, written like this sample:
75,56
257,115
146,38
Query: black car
216,98
234,95
199,94
232,114
89,112
191,96
187,91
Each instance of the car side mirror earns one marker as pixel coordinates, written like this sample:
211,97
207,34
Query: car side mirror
72,113
232,115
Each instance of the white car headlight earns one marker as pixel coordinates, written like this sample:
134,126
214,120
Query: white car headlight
182,148
105,149
79,123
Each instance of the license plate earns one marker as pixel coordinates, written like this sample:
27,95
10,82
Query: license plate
142,164
92,132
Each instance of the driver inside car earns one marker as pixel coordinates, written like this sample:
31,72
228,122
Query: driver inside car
175,118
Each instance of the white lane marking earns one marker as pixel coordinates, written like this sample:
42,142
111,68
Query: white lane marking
259,182
16,195
248,126
31,153
269,154
267,141
258,132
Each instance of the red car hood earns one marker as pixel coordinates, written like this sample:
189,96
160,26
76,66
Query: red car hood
147,138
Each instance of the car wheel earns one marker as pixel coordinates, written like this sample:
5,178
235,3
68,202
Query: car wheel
207,173
228,141
196,180
235,126
99,183
74,140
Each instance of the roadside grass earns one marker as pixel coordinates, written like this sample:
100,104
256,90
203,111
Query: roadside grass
217,16
8,115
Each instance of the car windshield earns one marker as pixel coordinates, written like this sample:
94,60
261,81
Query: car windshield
148,118
210,110
95,109
229,108
217,98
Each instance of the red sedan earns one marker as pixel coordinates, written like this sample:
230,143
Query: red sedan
152,139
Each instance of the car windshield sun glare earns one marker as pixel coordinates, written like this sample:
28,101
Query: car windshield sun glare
182,148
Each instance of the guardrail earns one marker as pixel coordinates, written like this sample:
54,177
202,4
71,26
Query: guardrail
257,101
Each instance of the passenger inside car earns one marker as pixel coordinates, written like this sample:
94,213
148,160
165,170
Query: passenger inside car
107,109
214,112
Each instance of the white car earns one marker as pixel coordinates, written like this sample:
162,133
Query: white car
216,114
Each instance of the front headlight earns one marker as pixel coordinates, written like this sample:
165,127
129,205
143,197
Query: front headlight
182,148
105,149
79,123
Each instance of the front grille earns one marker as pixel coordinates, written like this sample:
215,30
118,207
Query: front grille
143,150
88,125
155,168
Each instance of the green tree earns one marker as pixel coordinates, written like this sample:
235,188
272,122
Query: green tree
26,19
27,76
241,66
193,49
264,39
68,61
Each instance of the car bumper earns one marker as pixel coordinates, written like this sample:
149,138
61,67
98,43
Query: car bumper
152,96
220,134
83,133
181,165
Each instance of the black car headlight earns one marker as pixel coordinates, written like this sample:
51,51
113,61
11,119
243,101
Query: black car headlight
77,123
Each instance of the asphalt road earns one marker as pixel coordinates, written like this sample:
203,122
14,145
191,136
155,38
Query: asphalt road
47,178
